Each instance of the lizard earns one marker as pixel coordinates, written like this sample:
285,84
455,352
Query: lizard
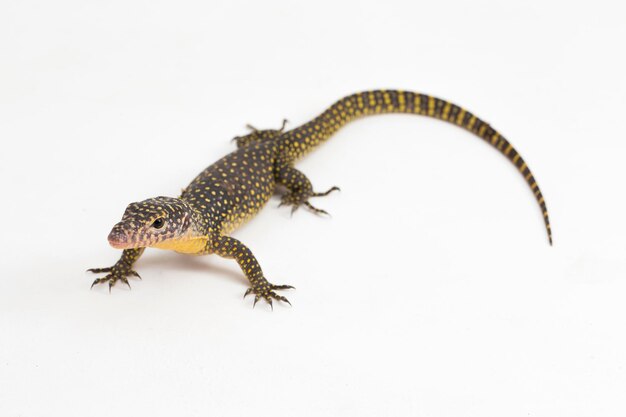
236,187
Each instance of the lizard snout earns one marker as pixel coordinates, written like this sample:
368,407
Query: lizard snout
118,239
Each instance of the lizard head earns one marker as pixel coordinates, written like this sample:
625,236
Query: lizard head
152,222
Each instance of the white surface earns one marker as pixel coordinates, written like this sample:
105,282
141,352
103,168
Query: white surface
431,291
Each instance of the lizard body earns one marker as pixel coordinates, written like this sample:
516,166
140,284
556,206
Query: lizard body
236,187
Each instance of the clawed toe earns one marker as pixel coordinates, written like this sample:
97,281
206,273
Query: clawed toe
267,292
295,199
283,287
114,274
125,281
278,297
99,270
325,193
296,204
315,209
99,281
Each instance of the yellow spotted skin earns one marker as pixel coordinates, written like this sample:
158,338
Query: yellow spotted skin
235,188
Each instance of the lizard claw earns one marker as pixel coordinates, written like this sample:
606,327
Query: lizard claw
325,193
98,281
98,270
283,287
279,297
125,281
295,200
315,209
118,272
265,290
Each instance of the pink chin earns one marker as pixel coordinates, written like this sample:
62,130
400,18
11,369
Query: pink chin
119,245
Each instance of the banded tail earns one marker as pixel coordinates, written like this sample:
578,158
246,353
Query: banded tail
305,138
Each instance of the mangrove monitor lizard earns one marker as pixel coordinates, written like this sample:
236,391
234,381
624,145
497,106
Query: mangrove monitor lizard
236,187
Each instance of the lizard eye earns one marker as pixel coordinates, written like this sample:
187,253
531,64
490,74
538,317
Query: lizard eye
158,223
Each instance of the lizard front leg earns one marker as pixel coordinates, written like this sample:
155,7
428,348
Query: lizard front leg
122,269
228,247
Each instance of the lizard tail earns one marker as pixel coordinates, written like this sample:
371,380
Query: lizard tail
303,139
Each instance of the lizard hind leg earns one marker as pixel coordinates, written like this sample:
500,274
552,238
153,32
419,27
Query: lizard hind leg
259,136
299,190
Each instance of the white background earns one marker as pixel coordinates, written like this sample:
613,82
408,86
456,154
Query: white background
431,291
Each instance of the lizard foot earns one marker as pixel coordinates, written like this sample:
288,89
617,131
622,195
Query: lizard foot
118,272
258,135
262,288
295,200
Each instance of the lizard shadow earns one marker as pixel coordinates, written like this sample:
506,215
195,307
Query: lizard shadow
175,262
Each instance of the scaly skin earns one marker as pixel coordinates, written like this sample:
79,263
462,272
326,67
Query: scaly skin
235,188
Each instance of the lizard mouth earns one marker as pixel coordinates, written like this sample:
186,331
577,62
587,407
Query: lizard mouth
118,239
